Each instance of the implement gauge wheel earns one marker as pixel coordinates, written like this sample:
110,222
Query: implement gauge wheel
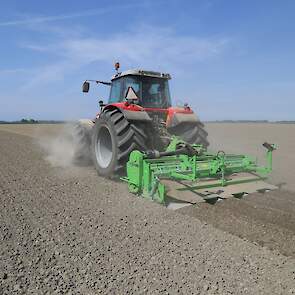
113,139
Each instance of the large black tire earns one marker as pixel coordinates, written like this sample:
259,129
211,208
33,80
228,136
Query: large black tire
113,139
192,133
81,136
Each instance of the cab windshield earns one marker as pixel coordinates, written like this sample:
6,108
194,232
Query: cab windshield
152,92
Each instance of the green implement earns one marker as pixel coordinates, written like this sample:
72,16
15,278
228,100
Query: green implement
188,173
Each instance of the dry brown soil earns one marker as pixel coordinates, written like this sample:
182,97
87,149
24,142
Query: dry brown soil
64,230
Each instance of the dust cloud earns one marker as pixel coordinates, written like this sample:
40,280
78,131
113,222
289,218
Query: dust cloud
59,148
66,148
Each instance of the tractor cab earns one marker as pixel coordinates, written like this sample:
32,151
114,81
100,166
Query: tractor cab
147,89
150,88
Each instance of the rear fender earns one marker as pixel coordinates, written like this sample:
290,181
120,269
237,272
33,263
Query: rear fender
180,116
131,112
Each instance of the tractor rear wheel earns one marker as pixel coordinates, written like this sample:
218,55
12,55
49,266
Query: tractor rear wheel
192,133
113,139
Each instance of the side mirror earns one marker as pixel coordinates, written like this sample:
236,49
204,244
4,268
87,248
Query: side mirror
85,87
101,103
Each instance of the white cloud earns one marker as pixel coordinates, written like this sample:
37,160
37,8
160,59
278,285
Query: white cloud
148,47
29,20
42,19
144,44
12,71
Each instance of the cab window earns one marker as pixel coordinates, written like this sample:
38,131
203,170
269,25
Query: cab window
155,93
134,83
115,94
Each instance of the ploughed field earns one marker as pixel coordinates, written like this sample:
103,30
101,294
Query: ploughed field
63,229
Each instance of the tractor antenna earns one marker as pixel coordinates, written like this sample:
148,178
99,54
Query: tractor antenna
117,66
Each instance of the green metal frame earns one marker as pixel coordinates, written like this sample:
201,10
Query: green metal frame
144,175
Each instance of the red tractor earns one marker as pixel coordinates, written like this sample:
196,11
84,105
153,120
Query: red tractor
138,116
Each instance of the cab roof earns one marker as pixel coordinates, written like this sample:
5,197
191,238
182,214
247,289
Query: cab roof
138,72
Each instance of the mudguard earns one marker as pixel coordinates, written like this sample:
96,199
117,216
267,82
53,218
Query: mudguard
131,112
179,116
136,115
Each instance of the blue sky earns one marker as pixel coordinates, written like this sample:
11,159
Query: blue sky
228,59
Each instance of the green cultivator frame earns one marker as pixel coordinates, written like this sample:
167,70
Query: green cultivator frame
188,173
